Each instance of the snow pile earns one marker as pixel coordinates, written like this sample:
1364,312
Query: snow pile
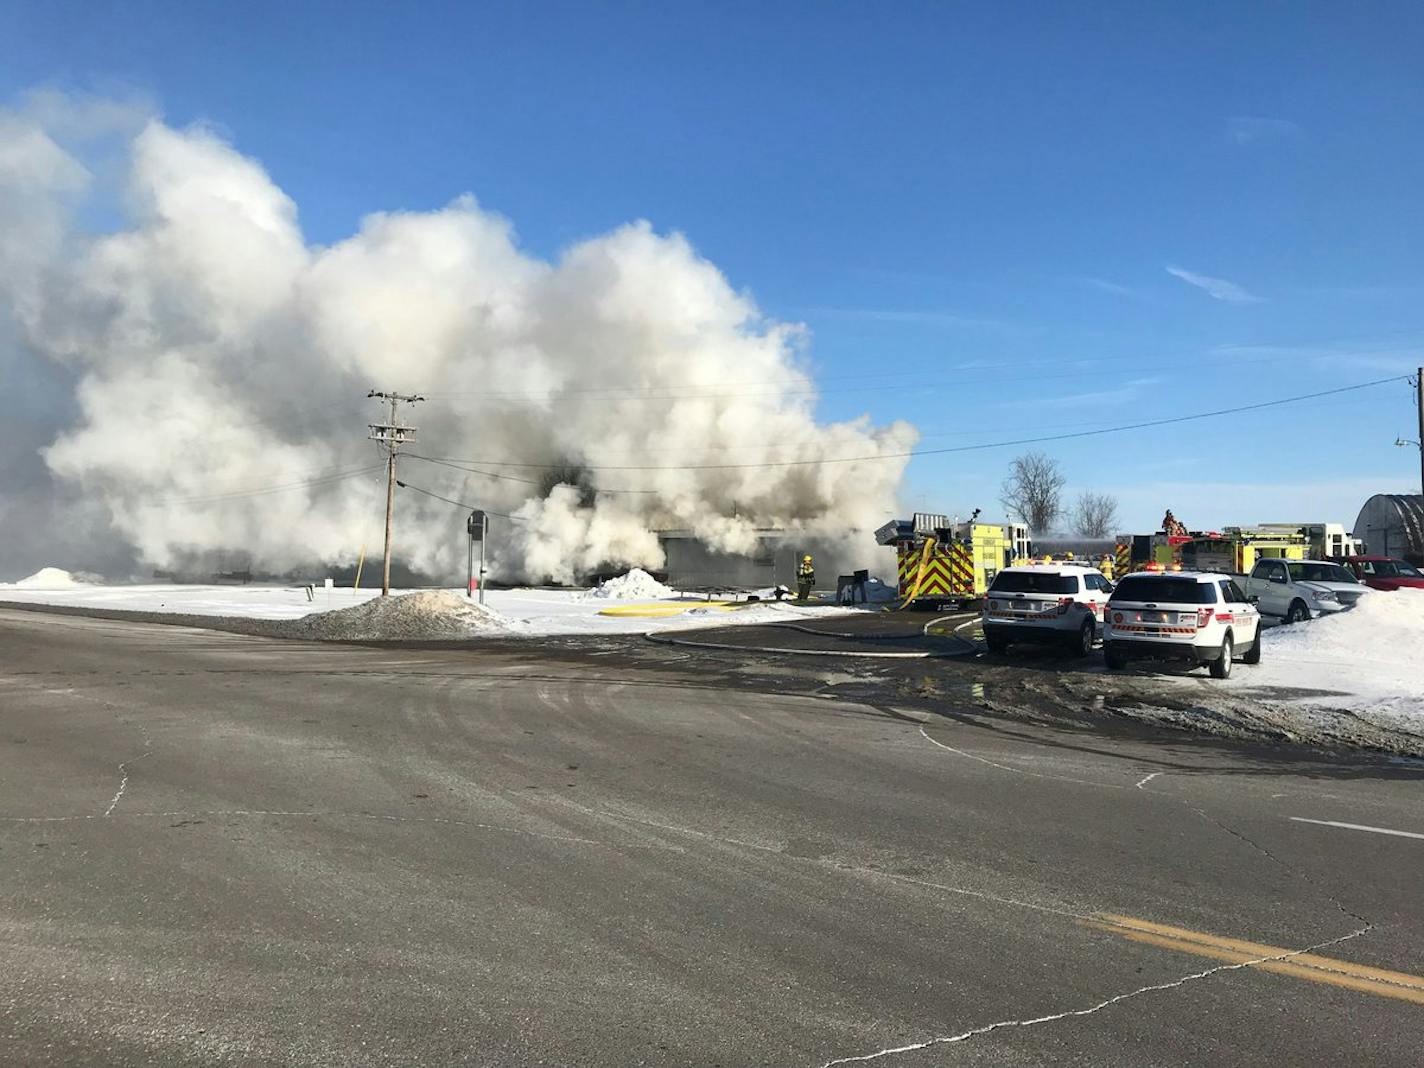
636,585
1380,628
1363,659
437,615
51,578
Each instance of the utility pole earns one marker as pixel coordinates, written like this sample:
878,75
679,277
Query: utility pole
1419,405
392,435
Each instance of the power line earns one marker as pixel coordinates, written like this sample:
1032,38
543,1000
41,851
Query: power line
668,393
951,449
458,466
317,473
459,504
473,471
262,490
745,446
663,392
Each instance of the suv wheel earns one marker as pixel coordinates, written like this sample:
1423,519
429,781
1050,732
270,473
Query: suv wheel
1221,666
1297,612
1081,644
1254,656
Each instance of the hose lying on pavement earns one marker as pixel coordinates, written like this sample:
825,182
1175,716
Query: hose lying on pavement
919,654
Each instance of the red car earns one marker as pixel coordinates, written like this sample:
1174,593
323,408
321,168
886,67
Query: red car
1384,572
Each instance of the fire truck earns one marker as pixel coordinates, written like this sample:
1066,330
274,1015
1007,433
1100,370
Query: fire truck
944,562
1234,550
1328,541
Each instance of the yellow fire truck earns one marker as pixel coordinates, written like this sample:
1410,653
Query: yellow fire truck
1234,550
944,562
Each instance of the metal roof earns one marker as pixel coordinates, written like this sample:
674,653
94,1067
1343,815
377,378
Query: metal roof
1404,509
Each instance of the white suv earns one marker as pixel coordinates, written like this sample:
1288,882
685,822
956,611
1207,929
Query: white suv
1184,615
1053,603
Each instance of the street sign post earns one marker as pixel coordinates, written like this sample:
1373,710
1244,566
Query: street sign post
478,527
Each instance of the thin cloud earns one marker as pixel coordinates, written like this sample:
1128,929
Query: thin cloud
1115,288
1250,129
1216,288
1126,392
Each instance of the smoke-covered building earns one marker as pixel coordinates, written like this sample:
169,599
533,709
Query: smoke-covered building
1392,524
692,564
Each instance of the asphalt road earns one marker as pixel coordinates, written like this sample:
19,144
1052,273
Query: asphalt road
217,849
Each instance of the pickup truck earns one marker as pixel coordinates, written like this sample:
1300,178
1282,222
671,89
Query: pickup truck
1296,590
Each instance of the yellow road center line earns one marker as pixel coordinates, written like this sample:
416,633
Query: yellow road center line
1309,966
1257,949
1280,967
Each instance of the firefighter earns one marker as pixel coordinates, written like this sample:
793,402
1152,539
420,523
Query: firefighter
1173,526
805,577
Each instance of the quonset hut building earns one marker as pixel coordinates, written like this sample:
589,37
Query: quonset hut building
1392,524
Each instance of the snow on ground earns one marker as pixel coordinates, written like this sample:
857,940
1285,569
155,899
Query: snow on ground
533,612
636,585
1366,660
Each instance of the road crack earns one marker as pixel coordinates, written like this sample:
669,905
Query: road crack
964,1036
123,782
1365,927
124,765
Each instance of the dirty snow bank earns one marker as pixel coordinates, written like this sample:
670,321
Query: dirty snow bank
51,578
429,615
1354,680
636,585
1366,661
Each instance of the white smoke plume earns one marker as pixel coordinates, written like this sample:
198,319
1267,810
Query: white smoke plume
199,367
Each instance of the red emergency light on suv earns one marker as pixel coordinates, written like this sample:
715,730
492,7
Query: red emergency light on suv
1384,572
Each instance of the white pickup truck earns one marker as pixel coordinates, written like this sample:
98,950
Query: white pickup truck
1296,590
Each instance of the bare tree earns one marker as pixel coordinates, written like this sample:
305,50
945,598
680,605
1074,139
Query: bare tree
1094,514
1032,491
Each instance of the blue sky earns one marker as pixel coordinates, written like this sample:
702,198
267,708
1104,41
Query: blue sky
1108,212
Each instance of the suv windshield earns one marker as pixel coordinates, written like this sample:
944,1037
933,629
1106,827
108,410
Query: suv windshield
1033,582
1310,571
1169,590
